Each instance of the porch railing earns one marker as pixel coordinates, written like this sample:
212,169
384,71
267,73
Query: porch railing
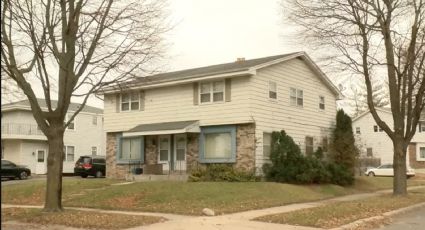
20,129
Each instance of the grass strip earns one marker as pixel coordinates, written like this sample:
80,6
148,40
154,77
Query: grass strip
336,214
77,219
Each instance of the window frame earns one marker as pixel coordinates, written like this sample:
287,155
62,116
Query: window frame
309,146
375,128
270,90
358,130
211,91
218,129
118,154
297,92
65,159
168,137
73,122
418,154
96,150
130,101
269,145
320,102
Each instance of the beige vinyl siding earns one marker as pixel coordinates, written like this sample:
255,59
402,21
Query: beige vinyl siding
175,103
275,115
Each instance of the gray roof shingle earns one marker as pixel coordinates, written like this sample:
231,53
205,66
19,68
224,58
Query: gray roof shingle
205,71
161,126
72,106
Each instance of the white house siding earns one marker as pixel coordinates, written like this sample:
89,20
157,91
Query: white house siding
19,149
379,141
85,136
11,150
175,103
275,115
26,156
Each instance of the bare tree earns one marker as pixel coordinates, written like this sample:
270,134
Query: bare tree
83,45
356,96
371,38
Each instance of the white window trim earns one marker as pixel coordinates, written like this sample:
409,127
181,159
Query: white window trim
418,154
97,150
45,155
270,145
67,119
129,105
159,148
324,102
268,92
93,119
296,97
66,153
211,92
175,146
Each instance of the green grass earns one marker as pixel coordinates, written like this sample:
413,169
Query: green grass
339,213
185,197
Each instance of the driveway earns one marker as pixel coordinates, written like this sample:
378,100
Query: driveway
412,220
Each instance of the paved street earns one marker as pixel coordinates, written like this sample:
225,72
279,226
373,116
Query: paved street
412,220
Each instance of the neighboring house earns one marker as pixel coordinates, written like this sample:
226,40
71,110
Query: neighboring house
23,142
374,142
218,114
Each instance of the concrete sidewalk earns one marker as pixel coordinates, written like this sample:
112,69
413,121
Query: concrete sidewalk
234,221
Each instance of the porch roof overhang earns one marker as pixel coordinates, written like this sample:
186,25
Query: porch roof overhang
163,128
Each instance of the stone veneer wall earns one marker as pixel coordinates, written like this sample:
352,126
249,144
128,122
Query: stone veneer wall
113,170
412,157
151,150
245,149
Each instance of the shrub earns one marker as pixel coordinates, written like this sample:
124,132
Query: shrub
221,172
290,166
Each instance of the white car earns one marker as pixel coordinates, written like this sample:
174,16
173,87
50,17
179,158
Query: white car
387,170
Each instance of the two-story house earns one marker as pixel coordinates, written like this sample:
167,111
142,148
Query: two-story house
374,142
218,114
23,142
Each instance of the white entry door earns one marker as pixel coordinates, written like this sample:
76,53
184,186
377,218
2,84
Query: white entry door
41,167
180,152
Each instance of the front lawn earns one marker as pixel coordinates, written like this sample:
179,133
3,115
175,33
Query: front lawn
185,197
340,213
77,219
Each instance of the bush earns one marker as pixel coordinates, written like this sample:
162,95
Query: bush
290,166
221,172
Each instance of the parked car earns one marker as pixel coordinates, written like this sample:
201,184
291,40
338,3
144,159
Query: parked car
12,171
387,170
90,166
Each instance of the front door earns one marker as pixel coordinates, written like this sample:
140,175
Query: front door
40,167
164,152
180,152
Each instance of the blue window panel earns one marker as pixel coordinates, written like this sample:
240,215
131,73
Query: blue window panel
119,149
218,129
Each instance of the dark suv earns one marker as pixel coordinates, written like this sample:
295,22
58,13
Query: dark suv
90,166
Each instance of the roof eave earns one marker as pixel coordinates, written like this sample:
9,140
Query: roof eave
244,72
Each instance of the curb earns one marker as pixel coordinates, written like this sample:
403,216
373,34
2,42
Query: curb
357,223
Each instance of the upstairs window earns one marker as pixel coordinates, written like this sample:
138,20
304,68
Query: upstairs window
357,130
422,153
71,125
421,127
322,102
296,97
130,101
211,92
375,128
272,90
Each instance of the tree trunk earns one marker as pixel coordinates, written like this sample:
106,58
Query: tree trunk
53,201
399,163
